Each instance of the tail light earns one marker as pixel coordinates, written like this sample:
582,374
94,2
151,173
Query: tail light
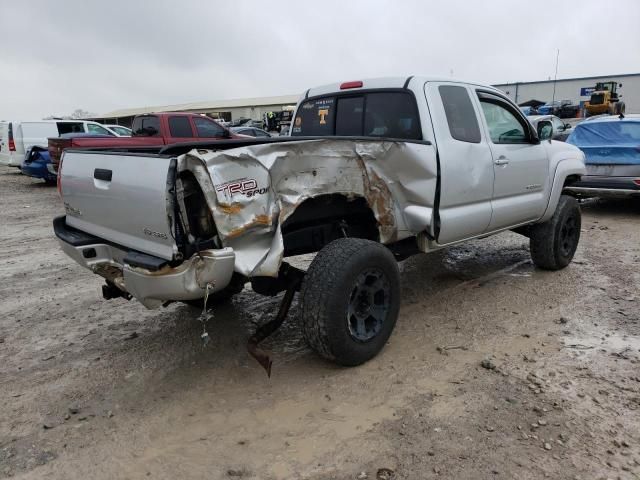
12,143
637,181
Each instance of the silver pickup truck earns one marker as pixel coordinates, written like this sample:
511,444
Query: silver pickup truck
373,171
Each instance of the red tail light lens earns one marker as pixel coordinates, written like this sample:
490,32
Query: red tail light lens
12,145
347,85
637,181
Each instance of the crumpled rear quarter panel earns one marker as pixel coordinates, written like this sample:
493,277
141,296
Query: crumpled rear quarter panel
252,190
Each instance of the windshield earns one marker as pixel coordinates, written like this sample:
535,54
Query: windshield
388,114
596,99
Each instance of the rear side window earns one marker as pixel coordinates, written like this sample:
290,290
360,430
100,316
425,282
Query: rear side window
393,115
207,128
180,127
146,126
70,127
375,114
461,117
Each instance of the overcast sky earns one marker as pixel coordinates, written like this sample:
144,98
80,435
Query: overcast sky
57,56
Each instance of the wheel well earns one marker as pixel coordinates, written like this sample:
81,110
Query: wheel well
319,220
569,181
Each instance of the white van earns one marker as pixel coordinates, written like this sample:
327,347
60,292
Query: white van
17,138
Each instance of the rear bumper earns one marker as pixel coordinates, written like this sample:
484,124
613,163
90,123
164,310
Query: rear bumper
11,160
151,280
39,169
605,186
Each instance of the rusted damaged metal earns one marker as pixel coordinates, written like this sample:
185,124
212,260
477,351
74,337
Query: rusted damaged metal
252,190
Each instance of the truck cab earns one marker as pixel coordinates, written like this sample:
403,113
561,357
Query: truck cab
508,182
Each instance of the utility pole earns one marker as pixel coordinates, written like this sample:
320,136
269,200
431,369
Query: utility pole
555,77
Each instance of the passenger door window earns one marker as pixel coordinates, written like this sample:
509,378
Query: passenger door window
504,126
93,128
180,127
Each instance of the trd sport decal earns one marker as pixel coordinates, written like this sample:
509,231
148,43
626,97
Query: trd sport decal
244,186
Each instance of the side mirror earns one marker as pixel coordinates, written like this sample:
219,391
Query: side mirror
567,126
545,130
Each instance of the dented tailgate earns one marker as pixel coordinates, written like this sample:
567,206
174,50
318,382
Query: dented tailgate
121,197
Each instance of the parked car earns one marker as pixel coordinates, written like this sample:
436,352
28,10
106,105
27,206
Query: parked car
559,129
611,146
529,111
17,138
250,131
37,161
560,108
37,164
376,171
151,131
118,130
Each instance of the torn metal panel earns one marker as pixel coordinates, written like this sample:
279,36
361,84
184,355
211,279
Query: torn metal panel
252,190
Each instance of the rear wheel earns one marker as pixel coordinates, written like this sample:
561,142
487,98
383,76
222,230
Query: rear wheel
554,242
350,299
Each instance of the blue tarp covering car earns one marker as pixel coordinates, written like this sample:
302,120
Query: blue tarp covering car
37,164
608,141
612,154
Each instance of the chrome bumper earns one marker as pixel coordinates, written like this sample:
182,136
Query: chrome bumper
152,288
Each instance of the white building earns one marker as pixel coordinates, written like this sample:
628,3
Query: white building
577,90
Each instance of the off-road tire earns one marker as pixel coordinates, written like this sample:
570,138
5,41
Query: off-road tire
328,290
554,242
236,285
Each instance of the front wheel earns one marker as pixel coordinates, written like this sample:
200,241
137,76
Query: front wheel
554,242
350,299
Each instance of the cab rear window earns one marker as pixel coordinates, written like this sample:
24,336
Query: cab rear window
374,114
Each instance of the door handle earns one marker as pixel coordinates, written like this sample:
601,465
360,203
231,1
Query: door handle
501,160
102,174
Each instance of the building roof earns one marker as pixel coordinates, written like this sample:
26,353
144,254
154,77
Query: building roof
208,106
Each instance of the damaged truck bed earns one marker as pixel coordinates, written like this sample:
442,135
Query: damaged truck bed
206,218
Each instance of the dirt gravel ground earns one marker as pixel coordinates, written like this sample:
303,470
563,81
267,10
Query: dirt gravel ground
495,370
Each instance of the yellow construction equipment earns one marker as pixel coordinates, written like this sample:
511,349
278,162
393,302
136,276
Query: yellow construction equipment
605,100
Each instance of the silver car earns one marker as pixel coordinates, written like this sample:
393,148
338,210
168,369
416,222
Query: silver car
560,130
